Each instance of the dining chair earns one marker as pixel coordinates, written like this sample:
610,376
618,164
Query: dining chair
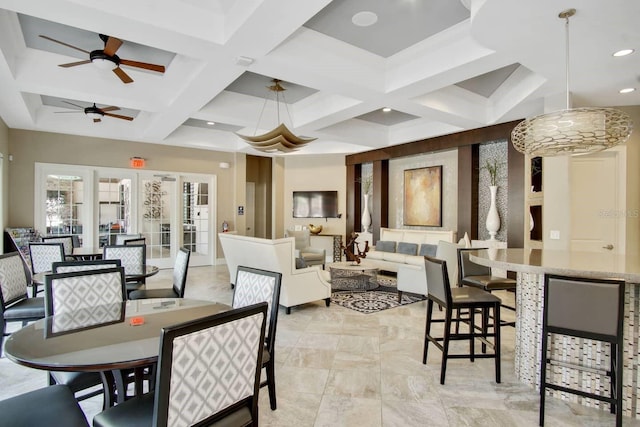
121,238
208,374
583,309
180,269
72,291
43,255
15,304
450,299
94,264
53,405
253,286
129,255
67,244
136,241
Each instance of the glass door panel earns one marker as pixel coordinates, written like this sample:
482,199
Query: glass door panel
114,209
197,218
64,205
157,215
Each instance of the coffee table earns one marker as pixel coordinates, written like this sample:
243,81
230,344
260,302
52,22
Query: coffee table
351,276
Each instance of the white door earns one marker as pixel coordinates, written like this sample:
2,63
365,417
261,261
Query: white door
157,217
597,210
197,206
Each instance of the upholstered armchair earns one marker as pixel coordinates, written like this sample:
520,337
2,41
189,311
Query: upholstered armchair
310,255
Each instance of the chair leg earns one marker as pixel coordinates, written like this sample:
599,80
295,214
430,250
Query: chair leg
445,344
3,324
472,334
543,376
399,297
427,331
271,383
496,339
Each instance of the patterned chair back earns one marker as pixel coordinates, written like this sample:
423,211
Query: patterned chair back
67,243
67,292
253,286
120,238
69,266
180,269
13,279
136,241
127,254
209,364
43,255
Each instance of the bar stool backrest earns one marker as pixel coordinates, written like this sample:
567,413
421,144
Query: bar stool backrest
438,286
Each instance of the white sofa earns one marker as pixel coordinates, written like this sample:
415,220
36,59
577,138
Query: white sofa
409,268
299,286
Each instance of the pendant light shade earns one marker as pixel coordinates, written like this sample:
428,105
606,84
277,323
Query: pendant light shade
573,130
280,138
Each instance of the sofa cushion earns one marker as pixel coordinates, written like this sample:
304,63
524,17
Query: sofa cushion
300,263
407,248
386,246
428,249
395,257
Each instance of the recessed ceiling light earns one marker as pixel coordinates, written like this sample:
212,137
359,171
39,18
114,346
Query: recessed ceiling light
211,123
386,109
627,90
364,19
623,52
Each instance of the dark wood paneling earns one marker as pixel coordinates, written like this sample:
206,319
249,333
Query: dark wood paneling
516,220
468,158
444,142
380,214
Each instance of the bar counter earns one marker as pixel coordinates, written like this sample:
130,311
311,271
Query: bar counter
530,266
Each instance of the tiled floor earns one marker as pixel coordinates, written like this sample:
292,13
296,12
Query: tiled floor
336,367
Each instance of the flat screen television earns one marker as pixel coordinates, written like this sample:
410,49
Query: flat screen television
315,204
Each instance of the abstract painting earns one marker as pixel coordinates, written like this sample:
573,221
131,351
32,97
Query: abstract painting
423,196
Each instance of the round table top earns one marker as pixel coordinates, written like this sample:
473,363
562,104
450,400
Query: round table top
353,266
102,338
131,272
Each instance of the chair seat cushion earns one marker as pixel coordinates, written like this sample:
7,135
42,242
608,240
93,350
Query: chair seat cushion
311,256
135,412
54,405
153,293
489,283
76,381
29,308
467,296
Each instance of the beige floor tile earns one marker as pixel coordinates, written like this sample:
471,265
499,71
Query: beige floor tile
341,411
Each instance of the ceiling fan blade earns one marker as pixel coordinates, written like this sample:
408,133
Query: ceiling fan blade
112,108
73,64
64,44
112,45
146,66
96,120
71,103
118,116
122,75
62,112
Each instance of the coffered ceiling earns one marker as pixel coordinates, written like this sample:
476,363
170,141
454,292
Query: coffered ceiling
441,66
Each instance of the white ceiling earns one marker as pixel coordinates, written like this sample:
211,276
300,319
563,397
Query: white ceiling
442,66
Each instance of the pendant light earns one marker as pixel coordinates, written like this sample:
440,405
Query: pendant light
573,130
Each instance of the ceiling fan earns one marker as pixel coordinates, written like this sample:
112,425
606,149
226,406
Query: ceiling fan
95,112
106,58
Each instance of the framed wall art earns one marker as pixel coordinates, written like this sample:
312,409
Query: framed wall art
423,196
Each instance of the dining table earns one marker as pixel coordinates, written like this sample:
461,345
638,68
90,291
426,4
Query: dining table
113,339
131,273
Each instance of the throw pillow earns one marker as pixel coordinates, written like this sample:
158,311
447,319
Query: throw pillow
300,263
386,246
407,248
428,250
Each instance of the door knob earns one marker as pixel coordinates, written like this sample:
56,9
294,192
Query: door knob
608,247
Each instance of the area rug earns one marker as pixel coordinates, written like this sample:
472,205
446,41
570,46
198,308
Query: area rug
382,298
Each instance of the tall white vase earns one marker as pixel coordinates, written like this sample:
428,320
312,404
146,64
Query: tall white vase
365,221
493,219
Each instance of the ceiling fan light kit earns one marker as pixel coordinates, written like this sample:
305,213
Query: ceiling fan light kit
280,138
573,130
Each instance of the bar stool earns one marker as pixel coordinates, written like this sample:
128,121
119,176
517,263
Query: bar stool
479,276
590,309
471,299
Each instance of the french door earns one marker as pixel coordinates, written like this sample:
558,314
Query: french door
170,210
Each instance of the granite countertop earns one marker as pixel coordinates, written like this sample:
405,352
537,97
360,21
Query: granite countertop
540,261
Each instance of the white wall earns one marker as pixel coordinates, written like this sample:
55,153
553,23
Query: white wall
311,173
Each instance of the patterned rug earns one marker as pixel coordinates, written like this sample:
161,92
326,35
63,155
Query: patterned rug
382,298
